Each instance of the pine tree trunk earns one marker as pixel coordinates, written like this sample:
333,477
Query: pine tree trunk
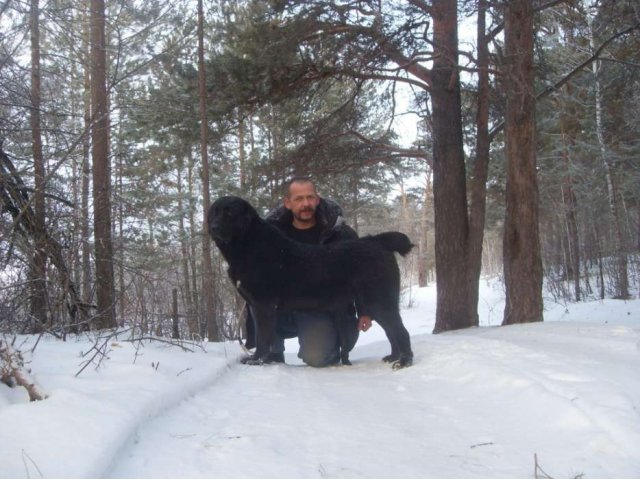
38,268
86,162
76,181
101,171
570,209
120,221
449,182
184,248
175,319
208,281
522,262
252,147
478,183
638,221
194,249
423,264
76,172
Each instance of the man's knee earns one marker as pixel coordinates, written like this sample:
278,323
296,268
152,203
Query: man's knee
318,338
319,357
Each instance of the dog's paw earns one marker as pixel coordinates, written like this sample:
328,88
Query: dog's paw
252,360
390,358
346,361
402,362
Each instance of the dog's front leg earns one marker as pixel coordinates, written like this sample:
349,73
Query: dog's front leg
265,322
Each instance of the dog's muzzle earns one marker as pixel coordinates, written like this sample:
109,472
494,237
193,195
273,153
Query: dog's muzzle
217,233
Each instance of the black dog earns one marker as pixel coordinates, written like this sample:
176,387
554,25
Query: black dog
273,272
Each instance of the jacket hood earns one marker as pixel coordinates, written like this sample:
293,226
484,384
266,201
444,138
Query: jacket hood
328,214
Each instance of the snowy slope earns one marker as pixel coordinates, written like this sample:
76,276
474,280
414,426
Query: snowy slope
478,403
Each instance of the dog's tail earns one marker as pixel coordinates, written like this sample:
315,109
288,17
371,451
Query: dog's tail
393,241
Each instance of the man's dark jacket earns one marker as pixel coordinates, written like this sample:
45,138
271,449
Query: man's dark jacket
334,229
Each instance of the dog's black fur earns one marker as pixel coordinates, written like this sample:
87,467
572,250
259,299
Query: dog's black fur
273,272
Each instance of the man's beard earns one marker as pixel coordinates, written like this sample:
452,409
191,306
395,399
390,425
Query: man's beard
306,219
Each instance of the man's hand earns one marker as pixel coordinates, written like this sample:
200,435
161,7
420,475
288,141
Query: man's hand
364,323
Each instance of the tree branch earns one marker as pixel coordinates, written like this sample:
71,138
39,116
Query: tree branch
552,88
394,54
424,6
404,152
587,62
379,76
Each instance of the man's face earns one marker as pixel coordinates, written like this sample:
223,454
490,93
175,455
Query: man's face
302,201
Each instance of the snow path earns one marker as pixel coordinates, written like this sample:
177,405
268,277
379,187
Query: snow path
81,428
478,403
558,386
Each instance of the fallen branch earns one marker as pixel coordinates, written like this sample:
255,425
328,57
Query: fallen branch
25,457
99,351
13,372
538,472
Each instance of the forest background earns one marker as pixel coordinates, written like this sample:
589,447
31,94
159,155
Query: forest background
120,121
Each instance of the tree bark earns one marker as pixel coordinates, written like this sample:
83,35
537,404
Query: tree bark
638,222
478,183
449,182
208,281
194,249
522,262
105,316
86,162
570,214
175,319
119,178
38,268
184,248
423,256
241,153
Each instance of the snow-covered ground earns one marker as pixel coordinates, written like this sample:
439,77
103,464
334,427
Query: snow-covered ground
477,403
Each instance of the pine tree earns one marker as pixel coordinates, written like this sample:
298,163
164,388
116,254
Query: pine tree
105,288
522,260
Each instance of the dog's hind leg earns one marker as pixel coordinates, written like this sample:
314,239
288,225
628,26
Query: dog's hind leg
347,334
401,355
345,344
390,333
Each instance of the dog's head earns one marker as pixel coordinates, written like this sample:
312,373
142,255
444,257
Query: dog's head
229,218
